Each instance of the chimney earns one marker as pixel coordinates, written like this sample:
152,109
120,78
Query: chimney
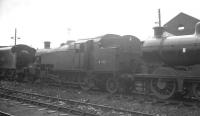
47,44
158,32
70,41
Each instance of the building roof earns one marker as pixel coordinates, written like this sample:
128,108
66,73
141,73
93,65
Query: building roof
182,24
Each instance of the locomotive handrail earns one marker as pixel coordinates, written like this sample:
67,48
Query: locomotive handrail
155,75
165,76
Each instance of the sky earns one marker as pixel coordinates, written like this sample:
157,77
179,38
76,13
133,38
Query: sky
60,20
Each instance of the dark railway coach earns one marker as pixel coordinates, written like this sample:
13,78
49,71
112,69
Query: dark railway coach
14,60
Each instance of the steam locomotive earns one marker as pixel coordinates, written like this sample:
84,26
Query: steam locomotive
177,60
91,62
14,60
164,67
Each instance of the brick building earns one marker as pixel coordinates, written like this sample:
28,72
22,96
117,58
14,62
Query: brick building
182,24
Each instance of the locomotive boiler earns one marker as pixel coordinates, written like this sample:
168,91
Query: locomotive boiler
175,50
14,59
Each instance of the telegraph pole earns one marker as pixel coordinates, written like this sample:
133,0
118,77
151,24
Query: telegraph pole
15,37
158,30
159,18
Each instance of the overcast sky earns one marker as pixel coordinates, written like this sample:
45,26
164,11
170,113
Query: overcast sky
60,20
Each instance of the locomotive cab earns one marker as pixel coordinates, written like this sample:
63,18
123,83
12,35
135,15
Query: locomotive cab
116,53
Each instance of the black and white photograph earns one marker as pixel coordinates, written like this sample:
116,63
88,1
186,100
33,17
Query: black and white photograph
99,58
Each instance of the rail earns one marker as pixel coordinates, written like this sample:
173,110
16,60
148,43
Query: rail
103,107
5,114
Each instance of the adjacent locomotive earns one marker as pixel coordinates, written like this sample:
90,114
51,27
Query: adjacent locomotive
177,60
14,60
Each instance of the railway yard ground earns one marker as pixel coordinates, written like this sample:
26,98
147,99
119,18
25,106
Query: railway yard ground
14,108
135,103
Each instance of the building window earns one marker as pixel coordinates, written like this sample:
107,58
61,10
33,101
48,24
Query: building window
180,27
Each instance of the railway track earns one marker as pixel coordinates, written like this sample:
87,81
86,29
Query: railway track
5,114
68,105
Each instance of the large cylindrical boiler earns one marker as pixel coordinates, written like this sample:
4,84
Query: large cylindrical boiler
177,50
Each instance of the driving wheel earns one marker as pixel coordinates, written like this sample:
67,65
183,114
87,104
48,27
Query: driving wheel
196,90
163,88
87,84
112,85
